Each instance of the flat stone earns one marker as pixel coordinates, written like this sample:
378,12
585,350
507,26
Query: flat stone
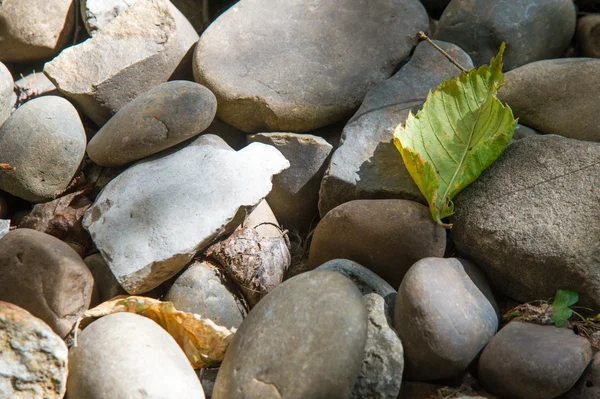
588,386
295,193
44,276
555,96
298,65
137,51
386,236
367,165
125,355
529,361
526,220
532,29
443,319
166,115
104,281
6,93
151,220
45,141
588,35
318,314
33,30
34,359
205,290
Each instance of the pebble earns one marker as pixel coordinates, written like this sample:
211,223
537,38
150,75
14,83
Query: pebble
588,386
44,276
33,363
522,131
526,220
267,359
532,29
105,282
443,319
298,65
166,115
367,165
34,85
386,236
125,355
521,361
6,93
588,35
45,141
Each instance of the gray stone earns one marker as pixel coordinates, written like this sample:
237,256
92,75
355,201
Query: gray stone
34,85
45,141
479,279
297,65
6,93
530,361
151,220
305,339
44,276
104,281
125,355
527,220
33,363
443,319
137,51
166,115
33,30
4,227
588,35
554,96
386,236
522,131
588,386
205,290
263,220
532,29
367,164
295,193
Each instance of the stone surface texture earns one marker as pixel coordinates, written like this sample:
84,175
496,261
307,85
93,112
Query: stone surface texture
588,35
6,93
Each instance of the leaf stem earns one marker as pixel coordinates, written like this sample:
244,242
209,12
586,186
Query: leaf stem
423,36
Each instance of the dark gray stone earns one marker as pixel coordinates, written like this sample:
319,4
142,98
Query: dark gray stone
367,164
532,29
588,386
477,276
305,339
528,220
297,65
530,361
588,35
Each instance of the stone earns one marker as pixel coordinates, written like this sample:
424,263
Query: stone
125,355
588,35
386,236
34,85
367,165
235,138
295,193
526,220
137,51
553,96
443,319
205,290
207,379
522,131
45,141
588,386
6,93
44,276
164,116
305,339
532,29
105,282
4,227
263,220
530,361
34,31
153,218
480,281
298,65
34,359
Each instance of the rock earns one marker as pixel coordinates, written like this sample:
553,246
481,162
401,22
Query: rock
166,115
125,355
196,12
443,319
235,138
479,279
588,35
367,164
34,359
522,131
386,236
207,379
4,227
151,220
45,141
296,65
326,310
44,276
137,51
205,290
552,96
295,193
588,386
6,93
263,220
105,282
532,29
526,220
529,361
34,31
34,85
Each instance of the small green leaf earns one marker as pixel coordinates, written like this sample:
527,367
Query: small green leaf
460,131
560,306
561,315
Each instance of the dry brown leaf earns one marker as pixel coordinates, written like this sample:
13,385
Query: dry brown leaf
203,341
5,166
